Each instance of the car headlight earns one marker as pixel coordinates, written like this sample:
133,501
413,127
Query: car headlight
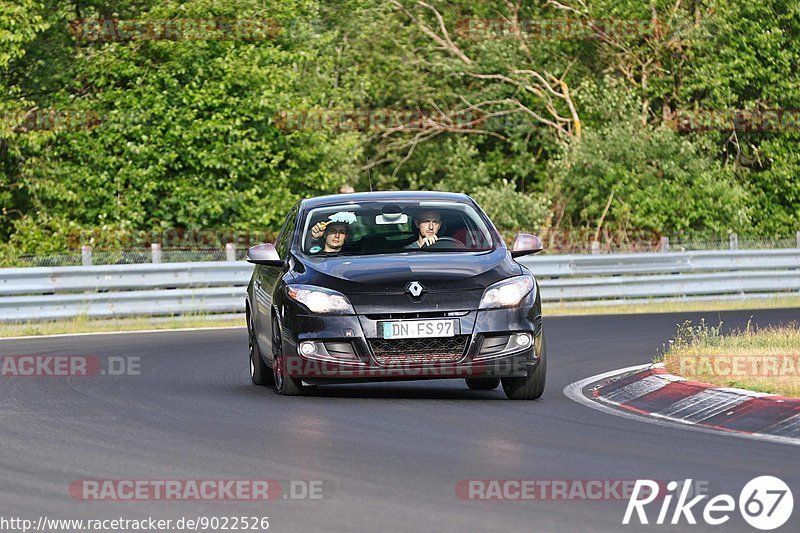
506,293
319,300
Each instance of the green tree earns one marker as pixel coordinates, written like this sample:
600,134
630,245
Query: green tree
651,179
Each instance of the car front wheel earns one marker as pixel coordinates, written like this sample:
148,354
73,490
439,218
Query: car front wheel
260,373
284,385
532,386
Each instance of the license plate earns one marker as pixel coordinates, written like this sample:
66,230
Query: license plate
414,329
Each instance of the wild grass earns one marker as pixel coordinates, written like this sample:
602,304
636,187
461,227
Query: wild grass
575,309
763,360
83,324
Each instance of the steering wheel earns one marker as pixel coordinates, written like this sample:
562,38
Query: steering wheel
455,243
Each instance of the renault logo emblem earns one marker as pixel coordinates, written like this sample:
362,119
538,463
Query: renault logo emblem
414,288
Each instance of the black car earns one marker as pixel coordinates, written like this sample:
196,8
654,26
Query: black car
394,286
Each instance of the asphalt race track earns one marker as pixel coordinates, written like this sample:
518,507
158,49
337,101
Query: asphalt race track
390,454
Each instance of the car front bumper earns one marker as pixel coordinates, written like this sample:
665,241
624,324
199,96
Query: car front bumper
348,348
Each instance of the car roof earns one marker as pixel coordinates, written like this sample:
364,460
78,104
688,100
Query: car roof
383,196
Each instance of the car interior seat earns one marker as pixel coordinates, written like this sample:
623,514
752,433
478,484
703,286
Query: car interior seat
372,244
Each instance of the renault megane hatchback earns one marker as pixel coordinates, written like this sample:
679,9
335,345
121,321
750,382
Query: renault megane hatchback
394,286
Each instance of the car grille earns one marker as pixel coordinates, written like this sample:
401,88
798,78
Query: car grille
433,350
423,314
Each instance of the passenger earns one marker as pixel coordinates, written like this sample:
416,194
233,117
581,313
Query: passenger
335,236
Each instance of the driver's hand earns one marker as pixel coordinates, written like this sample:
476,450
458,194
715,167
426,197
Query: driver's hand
429,240
318,229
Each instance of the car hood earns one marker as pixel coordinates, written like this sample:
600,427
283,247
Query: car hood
377,283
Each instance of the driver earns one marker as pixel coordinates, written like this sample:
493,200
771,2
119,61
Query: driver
428,224
335,234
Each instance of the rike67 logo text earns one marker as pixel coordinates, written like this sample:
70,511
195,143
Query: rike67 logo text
765,503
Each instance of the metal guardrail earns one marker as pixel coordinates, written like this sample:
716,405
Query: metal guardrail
44,280
28,294
653,263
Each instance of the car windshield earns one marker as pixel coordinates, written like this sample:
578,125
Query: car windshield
395,228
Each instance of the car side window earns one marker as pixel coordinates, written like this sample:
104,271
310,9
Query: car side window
287,232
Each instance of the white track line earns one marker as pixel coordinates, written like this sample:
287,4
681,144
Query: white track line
574,391
208,328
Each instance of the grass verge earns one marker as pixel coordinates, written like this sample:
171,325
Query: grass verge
763,360
561,309
87,325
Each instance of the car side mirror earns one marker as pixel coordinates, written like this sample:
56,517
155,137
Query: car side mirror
264,254
525,244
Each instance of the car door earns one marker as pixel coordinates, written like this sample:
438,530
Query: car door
268,279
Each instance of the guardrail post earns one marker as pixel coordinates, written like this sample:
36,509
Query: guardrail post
664,245
86,255
155,251
798,239
733,239
230,252
595,247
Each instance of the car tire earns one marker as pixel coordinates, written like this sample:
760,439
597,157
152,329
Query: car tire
284,385
260,373
482,383
532,386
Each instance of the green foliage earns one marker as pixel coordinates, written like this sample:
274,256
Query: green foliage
186,133
749,62
775,190
186,137
657,180
20,21
511,210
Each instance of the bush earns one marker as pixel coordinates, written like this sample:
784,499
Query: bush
512,211
657,180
